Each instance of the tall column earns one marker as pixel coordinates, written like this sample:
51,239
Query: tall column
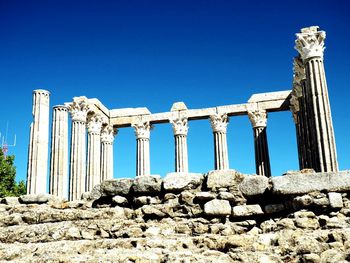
258,118
107,138
219,125
93,175
59,152
180,128
310,45
78,109
142,132
38,143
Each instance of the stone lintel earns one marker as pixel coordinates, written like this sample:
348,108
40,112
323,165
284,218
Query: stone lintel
270,96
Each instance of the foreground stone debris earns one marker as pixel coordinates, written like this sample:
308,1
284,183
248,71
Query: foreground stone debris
140,220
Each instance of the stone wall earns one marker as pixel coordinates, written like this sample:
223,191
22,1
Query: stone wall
222,216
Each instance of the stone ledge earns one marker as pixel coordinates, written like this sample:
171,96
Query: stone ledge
300,183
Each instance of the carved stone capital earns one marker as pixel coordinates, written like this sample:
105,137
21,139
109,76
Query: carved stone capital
257,117
107,134
219,122
78,108
142,129
94,124
180,125
310,42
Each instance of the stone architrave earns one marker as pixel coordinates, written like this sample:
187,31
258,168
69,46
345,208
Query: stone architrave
310,45
107,139
78,109
38,143
180,128
59,152
93,173
142,132
258,118
219,125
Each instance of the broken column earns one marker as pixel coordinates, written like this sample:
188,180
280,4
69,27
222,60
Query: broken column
180,128
107,138
59,152
78,109
310,45
38,143
142,132
219,125
258,118
93,174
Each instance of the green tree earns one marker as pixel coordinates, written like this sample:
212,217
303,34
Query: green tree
8,185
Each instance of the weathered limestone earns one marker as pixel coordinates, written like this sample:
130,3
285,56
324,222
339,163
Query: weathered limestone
107,138
219,125
180,128
38,143
78,109
310,45
258,118
59,152
142,132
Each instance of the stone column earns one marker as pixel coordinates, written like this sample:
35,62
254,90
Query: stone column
38,143
59,152
142,132
180,128
107,138
310,45
93,175
258,118
78,109
219,125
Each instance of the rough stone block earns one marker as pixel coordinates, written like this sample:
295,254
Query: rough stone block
119,200
246,210
335,200
223,178
9,200
300,183
204,196
147,184
116,187
217,208
176,182
253,185
34,199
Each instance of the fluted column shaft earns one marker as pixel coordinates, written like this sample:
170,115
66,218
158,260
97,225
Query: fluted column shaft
219,126
77,183
93,175
180,128
142,132
107,138
38,144
310,45
258,119
59,152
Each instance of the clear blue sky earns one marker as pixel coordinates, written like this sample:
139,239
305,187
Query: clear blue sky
154,53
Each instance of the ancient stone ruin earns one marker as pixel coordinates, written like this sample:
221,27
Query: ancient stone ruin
220,216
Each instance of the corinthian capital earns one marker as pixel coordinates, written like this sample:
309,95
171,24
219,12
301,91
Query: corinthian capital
257,117
94,124
78,108
108,133
219,122
142,129
310,42
180,125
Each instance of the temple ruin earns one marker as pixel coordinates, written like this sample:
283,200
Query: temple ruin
94,128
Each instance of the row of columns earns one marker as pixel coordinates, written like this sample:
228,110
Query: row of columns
90,165
219,123
310,104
